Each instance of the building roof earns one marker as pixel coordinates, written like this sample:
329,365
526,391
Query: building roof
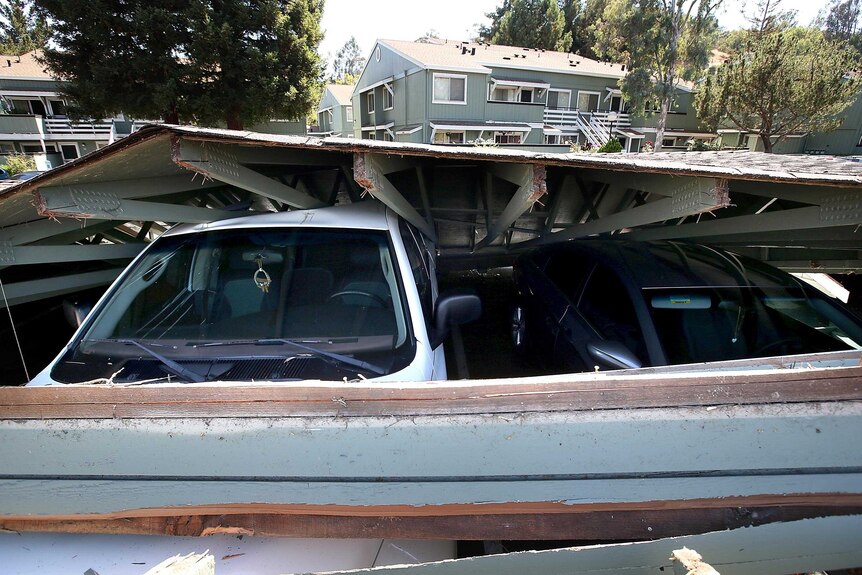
341,92
474,57
24,66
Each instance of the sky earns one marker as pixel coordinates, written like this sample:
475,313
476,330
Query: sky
368,20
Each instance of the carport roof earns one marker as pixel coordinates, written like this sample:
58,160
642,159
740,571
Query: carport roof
153,157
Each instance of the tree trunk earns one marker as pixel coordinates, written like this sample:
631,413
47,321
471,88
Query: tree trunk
233,121
171,117
767,143
662,122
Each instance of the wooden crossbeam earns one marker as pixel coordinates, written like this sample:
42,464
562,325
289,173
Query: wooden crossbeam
219,162
368,173
531,183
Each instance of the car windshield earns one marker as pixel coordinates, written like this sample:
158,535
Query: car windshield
250,304
714,324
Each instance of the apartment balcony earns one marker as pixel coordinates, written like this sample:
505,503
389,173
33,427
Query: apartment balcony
64,126
572,116
35,128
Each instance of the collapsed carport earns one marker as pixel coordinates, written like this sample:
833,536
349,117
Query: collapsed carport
672,451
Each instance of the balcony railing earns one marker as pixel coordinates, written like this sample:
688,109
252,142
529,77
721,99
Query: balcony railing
65,126
569,117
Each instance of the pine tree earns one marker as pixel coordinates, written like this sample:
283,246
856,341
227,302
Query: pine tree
193,61
22,29
529,24
783,82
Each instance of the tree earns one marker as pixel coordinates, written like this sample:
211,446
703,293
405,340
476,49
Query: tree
841,21
348,63
198,61
784,82
662,44
529,24
22,29
428,37
580,18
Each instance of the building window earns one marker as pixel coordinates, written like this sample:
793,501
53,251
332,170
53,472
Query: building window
507,137
526,95
349,113
503,94
58,108
448,137
559,99
69,151
7,148
388,97
377,54
31,148
552,139
370,99
668,142
372,135
387,137
588,101
450,89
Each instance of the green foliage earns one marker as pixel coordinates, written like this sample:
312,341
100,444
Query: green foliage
22,28
17,163
529,24
348,63
784,82
192,61
841,22
661,43
701,146
612,146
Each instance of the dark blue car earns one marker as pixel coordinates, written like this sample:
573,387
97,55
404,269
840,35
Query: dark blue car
622,304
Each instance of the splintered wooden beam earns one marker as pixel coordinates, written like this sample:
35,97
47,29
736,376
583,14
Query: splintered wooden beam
697,196
531,183
369,172
75,202
140,187
219,162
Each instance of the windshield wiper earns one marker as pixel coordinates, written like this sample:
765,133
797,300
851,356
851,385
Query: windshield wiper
322,354
168,363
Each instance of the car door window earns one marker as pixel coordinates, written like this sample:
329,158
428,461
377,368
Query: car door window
420,268
606,305
567,271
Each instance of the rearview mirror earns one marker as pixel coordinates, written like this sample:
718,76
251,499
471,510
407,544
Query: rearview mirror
454,307
75,311
613,354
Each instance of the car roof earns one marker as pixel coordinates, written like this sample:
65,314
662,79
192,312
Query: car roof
680,264
364,215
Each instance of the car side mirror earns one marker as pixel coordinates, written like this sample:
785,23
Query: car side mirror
454,307
75,311
613,354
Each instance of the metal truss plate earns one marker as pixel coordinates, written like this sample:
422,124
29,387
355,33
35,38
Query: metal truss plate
843,207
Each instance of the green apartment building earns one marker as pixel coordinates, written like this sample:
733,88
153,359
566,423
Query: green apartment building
448,92
335,112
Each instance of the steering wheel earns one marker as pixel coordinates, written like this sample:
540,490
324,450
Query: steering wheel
355,292
777,344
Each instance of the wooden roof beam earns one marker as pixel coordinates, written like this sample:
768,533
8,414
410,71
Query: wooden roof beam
833,213
139,188
699,196
532,185
24,255
220,162
26,291
369,172
75,203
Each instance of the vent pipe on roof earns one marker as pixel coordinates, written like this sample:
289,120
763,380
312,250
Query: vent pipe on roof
463,50
473,51
624,67
8,63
